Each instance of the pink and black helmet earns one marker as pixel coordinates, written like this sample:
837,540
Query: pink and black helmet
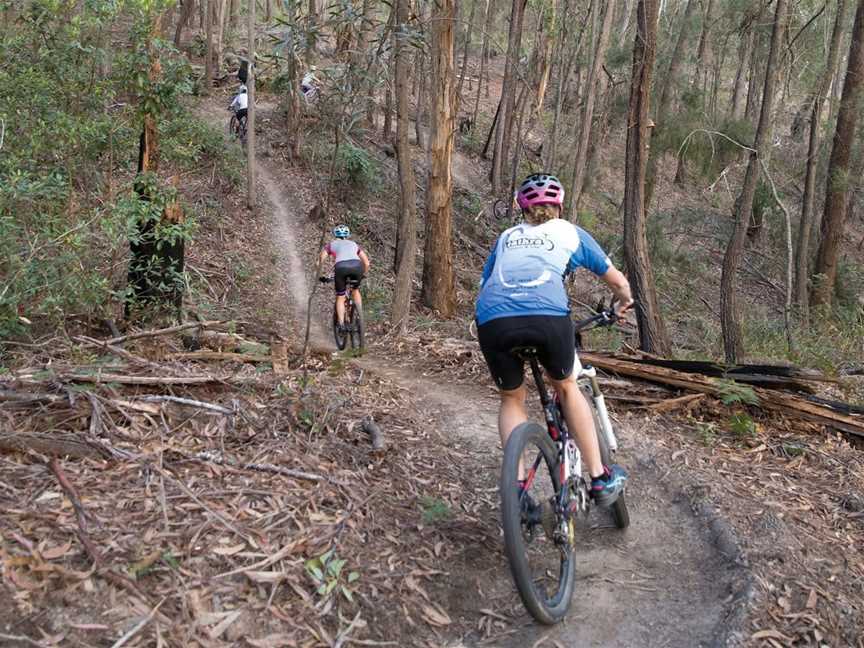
540,189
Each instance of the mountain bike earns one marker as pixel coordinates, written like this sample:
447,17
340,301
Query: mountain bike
353,328
237,127
539,519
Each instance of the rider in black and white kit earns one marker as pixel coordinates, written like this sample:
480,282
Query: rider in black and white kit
351,262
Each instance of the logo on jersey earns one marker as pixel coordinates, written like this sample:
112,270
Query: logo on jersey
518,240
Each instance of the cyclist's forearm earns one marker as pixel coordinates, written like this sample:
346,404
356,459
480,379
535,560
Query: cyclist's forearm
619,285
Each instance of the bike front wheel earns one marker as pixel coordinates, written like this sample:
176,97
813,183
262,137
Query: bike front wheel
538,540
340,336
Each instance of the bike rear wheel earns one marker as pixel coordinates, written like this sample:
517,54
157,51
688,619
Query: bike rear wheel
341,337
542,565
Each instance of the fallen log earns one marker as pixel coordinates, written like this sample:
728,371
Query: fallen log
219,355
788,404
772,376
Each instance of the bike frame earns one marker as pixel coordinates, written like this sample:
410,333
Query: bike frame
569,456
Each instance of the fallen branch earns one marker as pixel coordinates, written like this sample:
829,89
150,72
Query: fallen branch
187,401
122,379
206,455
219,355
163,331
674,403
80,513
123,353
139,626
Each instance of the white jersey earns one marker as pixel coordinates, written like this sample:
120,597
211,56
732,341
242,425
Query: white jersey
525,273
241,102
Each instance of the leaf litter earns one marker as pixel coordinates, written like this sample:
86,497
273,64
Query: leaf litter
180,502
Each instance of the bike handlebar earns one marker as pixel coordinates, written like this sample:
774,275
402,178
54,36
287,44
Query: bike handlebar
606,317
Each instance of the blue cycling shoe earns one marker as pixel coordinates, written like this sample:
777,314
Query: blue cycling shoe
608,487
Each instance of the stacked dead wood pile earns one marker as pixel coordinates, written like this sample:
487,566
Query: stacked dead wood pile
788,391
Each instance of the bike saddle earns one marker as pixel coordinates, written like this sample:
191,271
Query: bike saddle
524,352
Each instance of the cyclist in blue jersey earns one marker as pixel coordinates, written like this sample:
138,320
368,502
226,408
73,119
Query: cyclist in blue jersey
523,302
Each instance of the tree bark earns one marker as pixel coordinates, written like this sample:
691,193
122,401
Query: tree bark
508,97
665,103
568,57
219,35
250,116
836,194
704,52
625,22
484,54
208,63
469,28
581,156
802,249
745,50
419,99
729,313
407,227
652,332
439,281
186,11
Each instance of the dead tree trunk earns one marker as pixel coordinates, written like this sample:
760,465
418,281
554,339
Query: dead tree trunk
155,272
439,280
652,332
581,156
836,194
407,228
729,312
802,250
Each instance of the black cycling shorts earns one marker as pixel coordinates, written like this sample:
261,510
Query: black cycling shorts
553,336
345,270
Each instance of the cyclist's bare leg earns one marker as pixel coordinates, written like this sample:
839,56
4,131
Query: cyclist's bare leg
511,414
355,295
577,413
340,308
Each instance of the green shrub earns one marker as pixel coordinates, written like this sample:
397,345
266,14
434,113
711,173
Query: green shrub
358,169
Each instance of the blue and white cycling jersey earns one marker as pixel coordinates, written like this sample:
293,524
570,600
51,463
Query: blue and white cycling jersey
525,273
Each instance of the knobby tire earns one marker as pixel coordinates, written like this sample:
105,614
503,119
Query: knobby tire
620,513
547,610
357,340
340,339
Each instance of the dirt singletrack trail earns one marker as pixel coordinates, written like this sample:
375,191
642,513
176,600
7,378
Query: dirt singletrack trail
287,220
662,582
666,581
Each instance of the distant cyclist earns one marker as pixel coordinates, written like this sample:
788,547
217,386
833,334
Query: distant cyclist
523,302
350,262
240,104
